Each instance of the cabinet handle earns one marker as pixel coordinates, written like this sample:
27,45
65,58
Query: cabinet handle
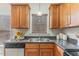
69,17
69,20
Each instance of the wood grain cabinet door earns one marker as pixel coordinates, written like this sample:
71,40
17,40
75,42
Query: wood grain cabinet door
47,46
32,52
54,16
74,14
64,15
46,52
32,49
24,16
58,51
15,12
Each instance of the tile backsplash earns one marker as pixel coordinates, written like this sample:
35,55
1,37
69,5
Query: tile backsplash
72,32
52,33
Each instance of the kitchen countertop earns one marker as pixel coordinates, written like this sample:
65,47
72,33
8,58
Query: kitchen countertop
62,43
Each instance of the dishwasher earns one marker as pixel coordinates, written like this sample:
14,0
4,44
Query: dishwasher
1,50
14,49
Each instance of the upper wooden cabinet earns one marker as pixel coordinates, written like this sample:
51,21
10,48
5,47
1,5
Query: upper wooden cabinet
74,14
20,16
64,15
59,15
69,15
15,17
54,16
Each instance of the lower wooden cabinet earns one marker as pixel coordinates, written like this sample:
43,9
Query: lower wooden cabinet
32,52
58,51
32,49
46,52
43,50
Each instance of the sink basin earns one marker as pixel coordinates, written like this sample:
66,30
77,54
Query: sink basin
39,40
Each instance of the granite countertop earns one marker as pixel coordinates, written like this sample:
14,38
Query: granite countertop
64,44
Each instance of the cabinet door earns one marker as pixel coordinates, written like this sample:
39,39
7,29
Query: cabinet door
46,52
15,16
64,15
74,14
24,16
58,51
46,45
32,52
54,16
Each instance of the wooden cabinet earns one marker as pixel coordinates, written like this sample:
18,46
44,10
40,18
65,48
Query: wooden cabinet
65,20
64,15
24,16
69,15
15,16
59,15
32,50
58,51
74,15
39,49
46,46
54,16
43,50
46,52
32,45
46,49
20,16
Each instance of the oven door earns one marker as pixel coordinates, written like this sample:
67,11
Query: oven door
73,52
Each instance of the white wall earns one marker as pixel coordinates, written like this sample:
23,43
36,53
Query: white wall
5,9
5,16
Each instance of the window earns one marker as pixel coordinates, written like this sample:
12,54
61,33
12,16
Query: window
39,24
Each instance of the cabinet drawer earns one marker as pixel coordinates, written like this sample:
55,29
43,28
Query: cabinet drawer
32,46
46,45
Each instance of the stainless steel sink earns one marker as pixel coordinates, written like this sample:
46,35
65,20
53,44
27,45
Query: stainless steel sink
39,40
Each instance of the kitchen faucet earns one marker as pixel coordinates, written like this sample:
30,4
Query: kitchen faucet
39,38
